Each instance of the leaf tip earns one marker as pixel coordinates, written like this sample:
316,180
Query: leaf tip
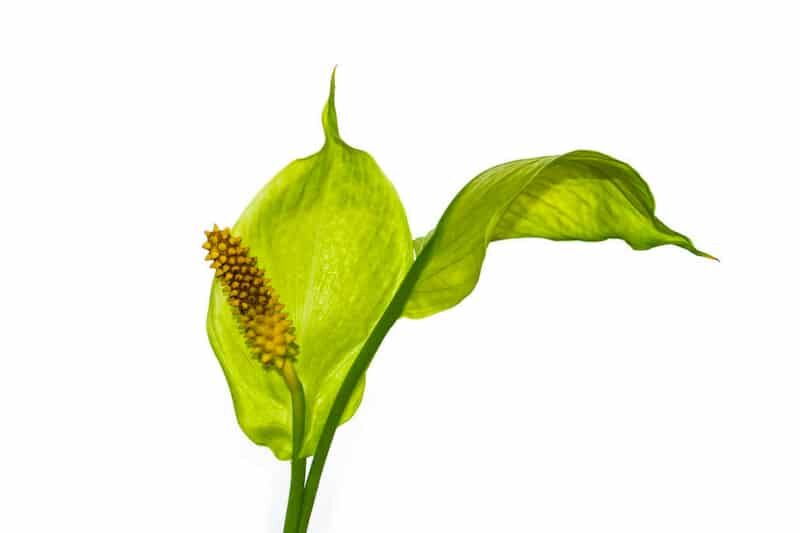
701,253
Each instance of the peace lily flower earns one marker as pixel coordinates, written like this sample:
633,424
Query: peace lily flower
321,264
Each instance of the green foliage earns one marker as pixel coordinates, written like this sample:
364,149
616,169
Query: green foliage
581,195
333,237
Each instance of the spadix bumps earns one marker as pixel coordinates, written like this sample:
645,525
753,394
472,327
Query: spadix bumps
266,328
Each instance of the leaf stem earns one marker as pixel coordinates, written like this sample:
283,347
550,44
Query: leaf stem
295,503
393,311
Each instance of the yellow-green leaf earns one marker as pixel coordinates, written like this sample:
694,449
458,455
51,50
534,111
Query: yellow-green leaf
332,235
581,195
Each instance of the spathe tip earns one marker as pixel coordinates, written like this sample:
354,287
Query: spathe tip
330,123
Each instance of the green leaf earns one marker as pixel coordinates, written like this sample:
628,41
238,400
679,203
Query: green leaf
333,237
581,195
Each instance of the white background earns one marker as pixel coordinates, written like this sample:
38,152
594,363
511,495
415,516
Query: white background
581,387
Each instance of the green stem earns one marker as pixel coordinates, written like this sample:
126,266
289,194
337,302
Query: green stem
393,311
295,504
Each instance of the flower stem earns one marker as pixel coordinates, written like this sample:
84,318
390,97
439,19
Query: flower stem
393,311
295,503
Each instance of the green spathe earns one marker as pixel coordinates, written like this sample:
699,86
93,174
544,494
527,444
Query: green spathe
582,195
332,235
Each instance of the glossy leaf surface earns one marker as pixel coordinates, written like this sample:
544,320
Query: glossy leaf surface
333,237
581,195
